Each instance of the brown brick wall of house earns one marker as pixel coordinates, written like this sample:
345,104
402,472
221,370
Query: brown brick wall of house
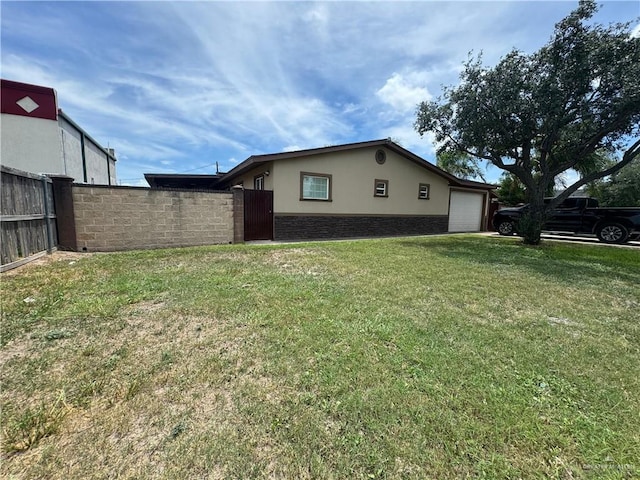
126,218
314,227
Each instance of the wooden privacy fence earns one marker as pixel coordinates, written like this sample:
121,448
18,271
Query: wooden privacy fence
27,217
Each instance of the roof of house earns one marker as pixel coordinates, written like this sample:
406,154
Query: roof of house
174,180
158,180
255,160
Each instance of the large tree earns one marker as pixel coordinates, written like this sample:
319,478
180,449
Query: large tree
460,164
539,115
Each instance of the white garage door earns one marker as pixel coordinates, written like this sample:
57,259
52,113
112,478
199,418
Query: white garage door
465,211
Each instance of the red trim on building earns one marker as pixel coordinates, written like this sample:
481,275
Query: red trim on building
43,102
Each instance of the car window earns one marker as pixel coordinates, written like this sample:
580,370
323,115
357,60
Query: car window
568,204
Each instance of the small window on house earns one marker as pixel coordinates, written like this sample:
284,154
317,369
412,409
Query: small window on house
315,186
258,182
381,188
423,191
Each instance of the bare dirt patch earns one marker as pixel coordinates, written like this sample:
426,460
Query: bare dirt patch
17,348
297,261
58,256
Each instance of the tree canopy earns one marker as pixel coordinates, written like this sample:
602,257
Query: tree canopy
538,115
460,164
510,190
621,190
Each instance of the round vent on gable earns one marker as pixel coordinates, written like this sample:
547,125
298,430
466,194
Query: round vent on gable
381,156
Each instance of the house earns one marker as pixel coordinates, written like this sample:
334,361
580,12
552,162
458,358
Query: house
365,189
37,137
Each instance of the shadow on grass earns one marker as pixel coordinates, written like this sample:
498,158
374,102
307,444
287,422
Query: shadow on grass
568,263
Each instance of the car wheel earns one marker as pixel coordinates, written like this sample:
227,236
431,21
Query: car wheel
506,227
612,233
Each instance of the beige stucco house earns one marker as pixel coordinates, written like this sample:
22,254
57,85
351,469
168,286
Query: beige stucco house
374,188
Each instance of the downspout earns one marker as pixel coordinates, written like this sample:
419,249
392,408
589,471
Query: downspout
108,169
84,157
64,153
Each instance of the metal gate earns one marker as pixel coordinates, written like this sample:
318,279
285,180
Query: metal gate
258,215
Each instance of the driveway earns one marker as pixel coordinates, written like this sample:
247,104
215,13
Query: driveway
583,239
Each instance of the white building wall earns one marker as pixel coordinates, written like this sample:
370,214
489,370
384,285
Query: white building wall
98,166
96,160
30,144
71,151
37,137
112,172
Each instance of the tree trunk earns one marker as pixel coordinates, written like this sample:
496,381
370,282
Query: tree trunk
531,223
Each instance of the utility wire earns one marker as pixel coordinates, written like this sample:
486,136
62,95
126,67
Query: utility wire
198,168
184,171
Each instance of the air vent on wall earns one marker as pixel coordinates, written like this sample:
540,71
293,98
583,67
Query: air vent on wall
381,156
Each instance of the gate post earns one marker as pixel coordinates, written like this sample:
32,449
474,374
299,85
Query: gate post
238,213
65,214
47,213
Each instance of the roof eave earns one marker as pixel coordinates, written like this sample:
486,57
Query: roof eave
254,160
270,157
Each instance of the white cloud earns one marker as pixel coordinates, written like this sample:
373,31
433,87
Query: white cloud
317,17
408,138
145,151
350,108
292,148
635,33
405,91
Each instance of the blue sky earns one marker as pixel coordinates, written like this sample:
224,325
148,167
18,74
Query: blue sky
176,86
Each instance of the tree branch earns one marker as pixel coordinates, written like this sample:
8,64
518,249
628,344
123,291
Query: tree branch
632,152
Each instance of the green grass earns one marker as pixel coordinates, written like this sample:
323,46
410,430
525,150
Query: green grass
442,357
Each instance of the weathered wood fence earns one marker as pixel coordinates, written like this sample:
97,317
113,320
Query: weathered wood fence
27,217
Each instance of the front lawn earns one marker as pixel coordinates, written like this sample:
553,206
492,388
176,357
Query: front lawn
437,357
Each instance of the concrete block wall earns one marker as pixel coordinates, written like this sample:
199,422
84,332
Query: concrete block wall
127,218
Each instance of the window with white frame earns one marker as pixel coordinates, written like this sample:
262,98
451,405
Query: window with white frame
381,188
258,182
315,186
423,191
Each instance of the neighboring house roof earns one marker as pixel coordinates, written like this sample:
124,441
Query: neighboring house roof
173,180
255,160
